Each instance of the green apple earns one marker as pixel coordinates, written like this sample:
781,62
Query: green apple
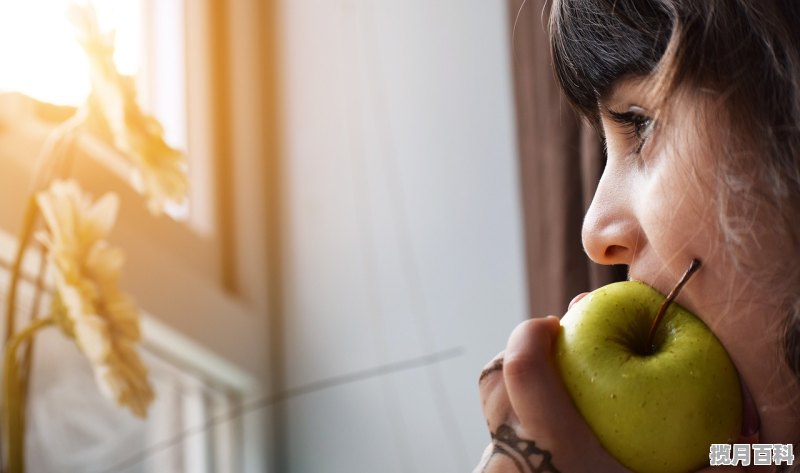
656,406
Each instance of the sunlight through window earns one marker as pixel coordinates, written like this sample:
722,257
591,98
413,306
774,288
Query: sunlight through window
41,57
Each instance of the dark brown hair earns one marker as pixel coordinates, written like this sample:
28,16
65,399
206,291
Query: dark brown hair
746,55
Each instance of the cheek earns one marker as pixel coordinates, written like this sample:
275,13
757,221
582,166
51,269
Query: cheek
678,212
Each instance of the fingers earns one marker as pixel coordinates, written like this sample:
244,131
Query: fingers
495,462
530,378
483,464
494,398
542,406
493,366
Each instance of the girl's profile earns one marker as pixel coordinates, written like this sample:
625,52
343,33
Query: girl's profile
698,104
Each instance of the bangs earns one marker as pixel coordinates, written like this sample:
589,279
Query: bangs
595,42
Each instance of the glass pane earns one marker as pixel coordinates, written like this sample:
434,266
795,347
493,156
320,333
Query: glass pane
39,53
42,59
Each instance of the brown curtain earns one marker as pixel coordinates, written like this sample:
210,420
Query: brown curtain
561,160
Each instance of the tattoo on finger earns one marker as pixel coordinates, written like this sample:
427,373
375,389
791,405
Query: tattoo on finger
526,456
497,365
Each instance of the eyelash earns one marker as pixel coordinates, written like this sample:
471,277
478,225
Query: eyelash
637,126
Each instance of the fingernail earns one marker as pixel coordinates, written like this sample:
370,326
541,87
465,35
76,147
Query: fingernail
576,299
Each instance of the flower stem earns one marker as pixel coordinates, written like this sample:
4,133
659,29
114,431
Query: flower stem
13,415
28,223
27,357
54,160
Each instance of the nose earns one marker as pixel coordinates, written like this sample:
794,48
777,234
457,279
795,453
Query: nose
611,232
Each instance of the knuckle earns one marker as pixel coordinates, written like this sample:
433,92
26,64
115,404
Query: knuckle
519,365
528,347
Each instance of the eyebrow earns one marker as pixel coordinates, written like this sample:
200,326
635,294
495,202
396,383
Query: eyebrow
631,83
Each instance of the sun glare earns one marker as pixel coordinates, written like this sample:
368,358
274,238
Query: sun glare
41,57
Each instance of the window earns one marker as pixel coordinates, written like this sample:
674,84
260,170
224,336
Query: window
149,46
39,45
200,285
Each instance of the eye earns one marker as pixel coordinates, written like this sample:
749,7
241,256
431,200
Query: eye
636,124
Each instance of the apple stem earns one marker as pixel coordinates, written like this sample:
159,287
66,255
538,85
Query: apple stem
693,267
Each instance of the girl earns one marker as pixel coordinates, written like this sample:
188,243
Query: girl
699,105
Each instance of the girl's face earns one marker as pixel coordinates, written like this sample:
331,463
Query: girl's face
656,208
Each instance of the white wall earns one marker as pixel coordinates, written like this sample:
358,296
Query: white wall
403,264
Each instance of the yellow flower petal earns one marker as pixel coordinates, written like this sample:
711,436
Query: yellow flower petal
91,334
160,170
90,305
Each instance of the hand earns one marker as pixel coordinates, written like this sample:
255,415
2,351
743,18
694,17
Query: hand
534,425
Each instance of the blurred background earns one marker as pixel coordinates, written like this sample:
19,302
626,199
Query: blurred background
365,208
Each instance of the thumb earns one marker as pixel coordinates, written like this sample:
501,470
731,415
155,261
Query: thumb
543,405
534,387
